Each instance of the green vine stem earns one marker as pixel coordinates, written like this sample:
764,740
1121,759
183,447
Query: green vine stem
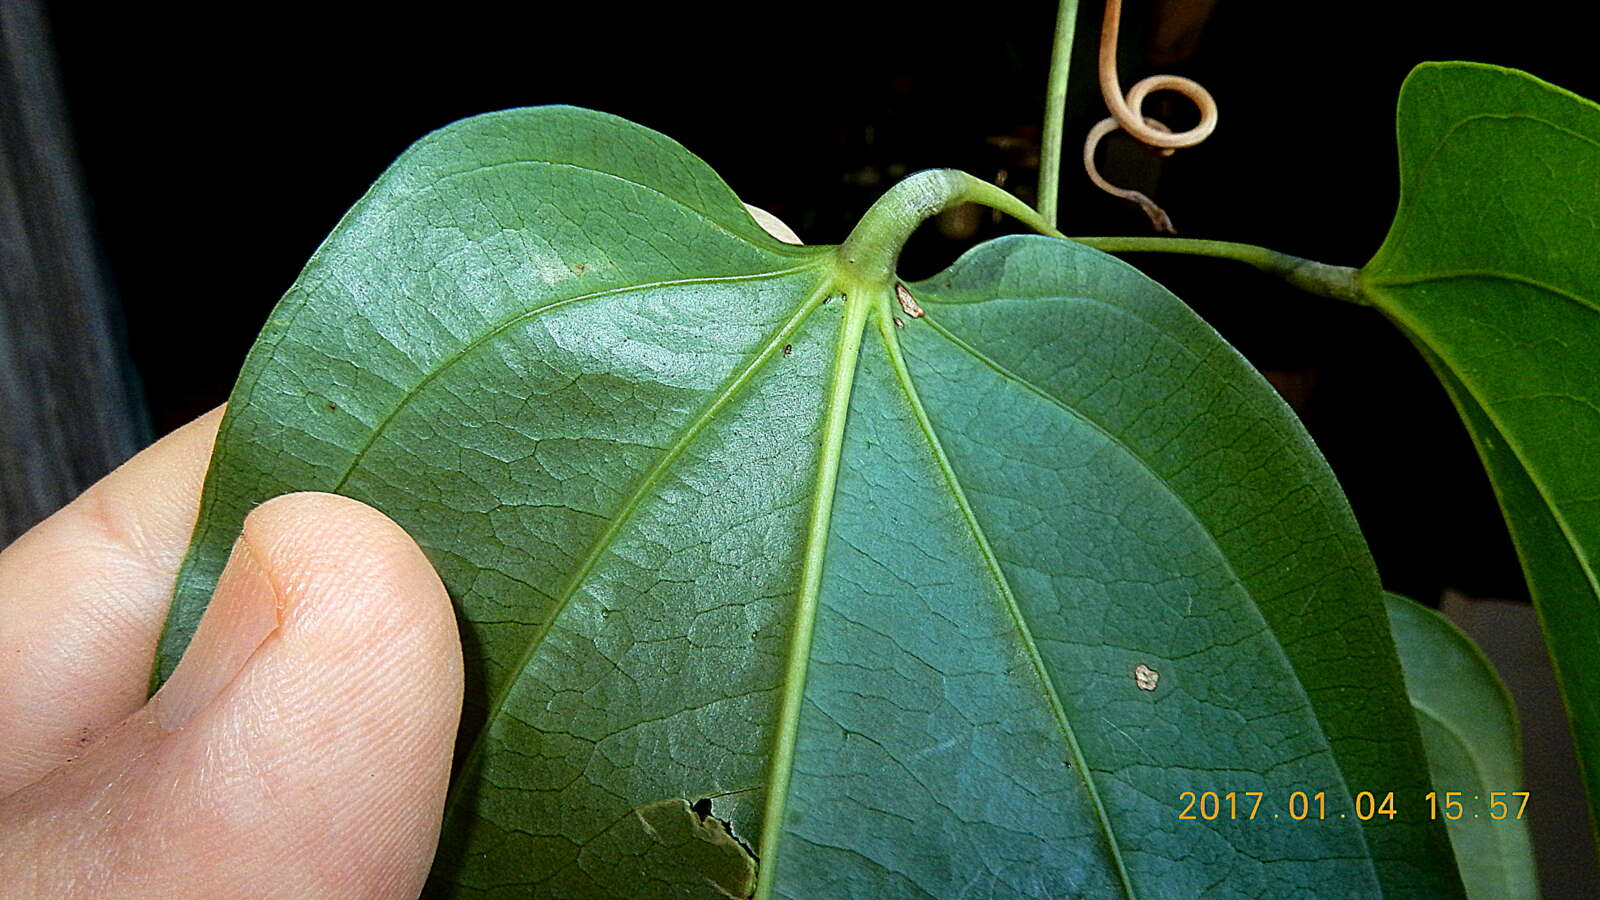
1055,111
1334,282
880,241
869,256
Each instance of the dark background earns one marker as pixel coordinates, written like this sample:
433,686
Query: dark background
218,149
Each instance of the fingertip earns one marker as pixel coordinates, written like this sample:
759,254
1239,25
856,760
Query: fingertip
321,571
348,701
349,580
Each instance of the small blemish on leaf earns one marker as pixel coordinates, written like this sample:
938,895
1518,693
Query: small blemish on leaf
908,303
1145,677
899,322
788,349
332,406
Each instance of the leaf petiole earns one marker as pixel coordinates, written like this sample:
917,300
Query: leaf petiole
869,254
1333,282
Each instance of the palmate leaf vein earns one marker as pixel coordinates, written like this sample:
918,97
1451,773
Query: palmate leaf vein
1078,415
635,498
1444,139
510,322
1486,275
1480,769
782,248
1003,585
1517,453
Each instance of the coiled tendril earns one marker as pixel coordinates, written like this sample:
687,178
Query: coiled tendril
1126,113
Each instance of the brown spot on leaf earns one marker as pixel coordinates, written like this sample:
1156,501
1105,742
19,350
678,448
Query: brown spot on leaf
908,303
788,349
1145,677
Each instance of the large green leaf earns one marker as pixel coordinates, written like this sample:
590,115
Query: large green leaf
1492,267
743,566
1469,727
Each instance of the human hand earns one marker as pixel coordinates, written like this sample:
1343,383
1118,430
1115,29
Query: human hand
301,749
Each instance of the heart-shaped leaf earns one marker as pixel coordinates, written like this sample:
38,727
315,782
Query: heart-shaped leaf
769,586
1492,268
1469,727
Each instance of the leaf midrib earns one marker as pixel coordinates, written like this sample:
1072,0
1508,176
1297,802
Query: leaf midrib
847,347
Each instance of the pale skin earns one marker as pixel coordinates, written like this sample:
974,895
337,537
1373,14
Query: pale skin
301,749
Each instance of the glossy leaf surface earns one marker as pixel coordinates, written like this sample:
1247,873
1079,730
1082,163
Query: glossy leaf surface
1469,727
1492,268
744,565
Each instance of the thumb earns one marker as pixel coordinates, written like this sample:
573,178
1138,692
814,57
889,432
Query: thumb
301,748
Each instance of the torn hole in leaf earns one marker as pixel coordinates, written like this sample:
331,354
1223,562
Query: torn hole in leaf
705,810
691,839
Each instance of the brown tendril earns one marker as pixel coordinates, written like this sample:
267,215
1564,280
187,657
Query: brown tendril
1126,114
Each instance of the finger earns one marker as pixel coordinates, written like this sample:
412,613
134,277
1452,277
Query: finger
82,599
303,743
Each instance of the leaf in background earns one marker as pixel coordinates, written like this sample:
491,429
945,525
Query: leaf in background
741,564
1469,727
1492,268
